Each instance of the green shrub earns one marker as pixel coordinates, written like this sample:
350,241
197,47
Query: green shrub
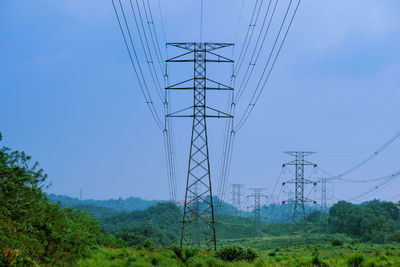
395,237
154,261
235,252
184,254
272,253
148,244
355,260
43,232
337,242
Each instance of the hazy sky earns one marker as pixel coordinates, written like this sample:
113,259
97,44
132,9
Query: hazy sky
69,99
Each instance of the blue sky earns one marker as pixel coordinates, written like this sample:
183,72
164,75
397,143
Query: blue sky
69,97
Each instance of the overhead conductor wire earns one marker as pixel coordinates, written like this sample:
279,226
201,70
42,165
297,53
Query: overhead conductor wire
140,78
258,90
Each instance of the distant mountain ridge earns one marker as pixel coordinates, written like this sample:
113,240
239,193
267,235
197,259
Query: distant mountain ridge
127,205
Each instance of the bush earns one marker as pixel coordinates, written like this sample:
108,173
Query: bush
355,260
235,252
395,237
184,254
148,244
337,242
39,230
272,253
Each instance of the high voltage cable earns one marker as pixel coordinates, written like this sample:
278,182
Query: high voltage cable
162,21
168,127
228,147
143,87
168,144
147,52
258,91
390,178
154,40
239,22
281,173
248,37
252,65
369,158
228,136
366,115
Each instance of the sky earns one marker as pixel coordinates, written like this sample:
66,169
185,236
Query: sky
69,98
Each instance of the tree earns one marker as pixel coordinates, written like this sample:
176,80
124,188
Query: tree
34,226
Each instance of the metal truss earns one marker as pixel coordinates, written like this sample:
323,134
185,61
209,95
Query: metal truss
198,227
299,181
257,194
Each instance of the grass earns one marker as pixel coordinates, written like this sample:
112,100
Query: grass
365,255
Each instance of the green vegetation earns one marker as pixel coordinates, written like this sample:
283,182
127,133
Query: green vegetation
40,231
319,255
37,231
120,204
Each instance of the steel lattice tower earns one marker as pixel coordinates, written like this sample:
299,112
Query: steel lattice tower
257,193
325,195
236,194
198,214
299,181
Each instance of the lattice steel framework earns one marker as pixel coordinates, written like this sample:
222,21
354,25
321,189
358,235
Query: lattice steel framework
257,194
299,181
237,197
326,195
198,215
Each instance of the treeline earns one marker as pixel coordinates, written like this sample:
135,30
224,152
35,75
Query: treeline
120,204
375,221
34,230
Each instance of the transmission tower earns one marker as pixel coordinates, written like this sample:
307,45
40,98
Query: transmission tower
326,196
257,194
198,213
299,181
236,197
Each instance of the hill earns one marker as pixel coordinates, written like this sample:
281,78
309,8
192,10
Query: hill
120,204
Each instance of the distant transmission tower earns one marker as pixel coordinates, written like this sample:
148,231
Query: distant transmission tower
257,194
326,195
237,197
198,214
299,181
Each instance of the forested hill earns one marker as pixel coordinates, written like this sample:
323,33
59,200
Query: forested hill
120,204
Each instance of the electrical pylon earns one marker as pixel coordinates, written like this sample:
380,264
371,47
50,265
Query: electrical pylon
325,195
198,214
299,181
236,197
257,194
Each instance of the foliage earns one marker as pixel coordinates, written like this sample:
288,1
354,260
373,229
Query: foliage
319,255
127,205
373,221
394,237
31,224
337,242
355,260
236,252
158,223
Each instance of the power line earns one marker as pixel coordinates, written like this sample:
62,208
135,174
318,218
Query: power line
140,78
366,115
146,49
249,35
239,22
369,158
252,64
390,178
258,91
154,40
